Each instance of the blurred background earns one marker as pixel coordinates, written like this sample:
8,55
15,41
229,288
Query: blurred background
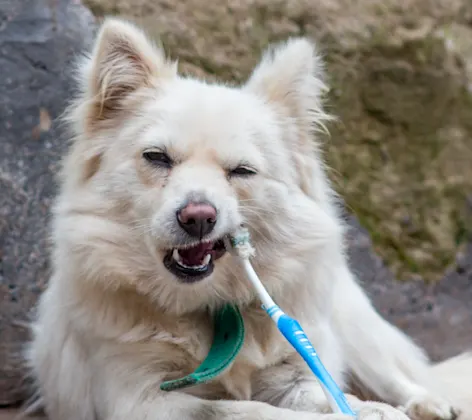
400,153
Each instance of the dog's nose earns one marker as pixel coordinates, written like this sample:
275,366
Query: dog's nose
197,219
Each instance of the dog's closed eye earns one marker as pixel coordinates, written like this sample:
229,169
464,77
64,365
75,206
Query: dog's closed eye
242,171
158,158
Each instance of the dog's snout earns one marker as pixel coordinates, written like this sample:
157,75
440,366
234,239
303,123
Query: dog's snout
197,219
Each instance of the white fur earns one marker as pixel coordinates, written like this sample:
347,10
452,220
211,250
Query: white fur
114,322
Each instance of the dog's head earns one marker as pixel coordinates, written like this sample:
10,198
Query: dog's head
164,167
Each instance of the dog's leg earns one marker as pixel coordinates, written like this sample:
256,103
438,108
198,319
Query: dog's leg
383,358
179,406
291,386
140,399
125,385
121,382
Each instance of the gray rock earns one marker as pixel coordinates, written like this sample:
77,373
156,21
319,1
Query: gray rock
438,317
38,40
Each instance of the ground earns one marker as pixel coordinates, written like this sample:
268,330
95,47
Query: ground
401,78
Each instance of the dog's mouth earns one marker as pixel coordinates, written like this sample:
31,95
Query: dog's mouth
191,264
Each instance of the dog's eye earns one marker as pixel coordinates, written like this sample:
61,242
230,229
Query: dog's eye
242,171
158,158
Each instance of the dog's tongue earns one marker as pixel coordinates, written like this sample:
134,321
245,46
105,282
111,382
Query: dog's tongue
195,255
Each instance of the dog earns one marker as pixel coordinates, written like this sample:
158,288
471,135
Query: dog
161,168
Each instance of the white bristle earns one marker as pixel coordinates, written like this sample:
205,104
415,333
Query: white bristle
240,244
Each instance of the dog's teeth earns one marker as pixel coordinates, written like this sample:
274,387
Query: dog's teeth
176,256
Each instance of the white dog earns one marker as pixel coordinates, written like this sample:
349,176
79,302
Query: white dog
160,170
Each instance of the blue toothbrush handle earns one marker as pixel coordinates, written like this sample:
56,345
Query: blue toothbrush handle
294,333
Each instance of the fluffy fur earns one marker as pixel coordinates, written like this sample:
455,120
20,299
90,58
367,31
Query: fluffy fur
114,322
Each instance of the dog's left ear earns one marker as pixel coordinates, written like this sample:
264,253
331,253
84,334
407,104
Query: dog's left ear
290,77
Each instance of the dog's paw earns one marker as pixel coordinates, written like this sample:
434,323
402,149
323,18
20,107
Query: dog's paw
377,411
373,410
430,407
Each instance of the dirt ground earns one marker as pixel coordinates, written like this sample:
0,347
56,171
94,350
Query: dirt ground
401,77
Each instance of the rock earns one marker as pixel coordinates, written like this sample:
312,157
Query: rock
38,39
438,317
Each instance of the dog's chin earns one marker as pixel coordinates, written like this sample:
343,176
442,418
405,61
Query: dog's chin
195,262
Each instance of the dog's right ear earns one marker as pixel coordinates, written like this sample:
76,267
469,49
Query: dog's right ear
290,78
122,63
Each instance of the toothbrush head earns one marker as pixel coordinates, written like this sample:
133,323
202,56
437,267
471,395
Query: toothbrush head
239,243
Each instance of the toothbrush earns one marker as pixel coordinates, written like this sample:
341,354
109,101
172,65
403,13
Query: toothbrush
290,328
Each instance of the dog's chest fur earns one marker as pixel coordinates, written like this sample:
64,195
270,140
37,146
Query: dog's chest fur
263,346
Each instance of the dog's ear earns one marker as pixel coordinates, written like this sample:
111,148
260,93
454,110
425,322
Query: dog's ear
290,77
122,62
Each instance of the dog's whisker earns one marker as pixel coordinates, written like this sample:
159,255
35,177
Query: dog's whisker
259,209
259,233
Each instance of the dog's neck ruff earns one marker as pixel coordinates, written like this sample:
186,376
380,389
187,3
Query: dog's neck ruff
228,338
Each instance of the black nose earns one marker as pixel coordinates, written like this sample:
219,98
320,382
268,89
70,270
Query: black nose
197,219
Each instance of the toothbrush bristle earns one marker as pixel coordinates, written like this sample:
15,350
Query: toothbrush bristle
240,243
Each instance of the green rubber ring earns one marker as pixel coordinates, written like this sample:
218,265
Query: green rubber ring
227,342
